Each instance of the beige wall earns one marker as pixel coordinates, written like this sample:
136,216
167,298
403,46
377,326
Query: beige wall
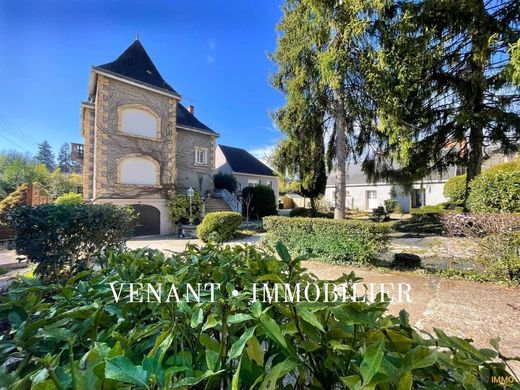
111,145
190,174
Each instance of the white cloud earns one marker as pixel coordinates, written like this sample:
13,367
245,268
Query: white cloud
262,152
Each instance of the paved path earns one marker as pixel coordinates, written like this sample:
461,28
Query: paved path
461,308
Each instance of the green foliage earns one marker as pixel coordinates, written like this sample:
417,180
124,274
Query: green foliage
300,212
393,206
225,181
495,191
63,183
219,226
17,169
338,241
14,199
70,198
455,189
179,207
78,336
45,155
65,239
263,201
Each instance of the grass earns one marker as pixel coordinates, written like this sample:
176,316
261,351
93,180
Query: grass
425,223
3,271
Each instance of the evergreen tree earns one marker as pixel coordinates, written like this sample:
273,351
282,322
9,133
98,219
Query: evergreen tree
320,55
64,159
443,85
45,155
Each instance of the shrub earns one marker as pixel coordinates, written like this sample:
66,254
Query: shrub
336,241
393,206
13,200
225,181
65,239
406,260
78,336
299,212
70,198
179,207
455,189
495,191
263,201
219,226
497,237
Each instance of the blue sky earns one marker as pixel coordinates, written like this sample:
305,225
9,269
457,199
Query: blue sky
214,53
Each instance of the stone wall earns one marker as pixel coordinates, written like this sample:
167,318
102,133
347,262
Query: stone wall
190,174
87,131
112,145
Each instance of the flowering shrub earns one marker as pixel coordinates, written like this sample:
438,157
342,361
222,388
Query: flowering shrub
78,336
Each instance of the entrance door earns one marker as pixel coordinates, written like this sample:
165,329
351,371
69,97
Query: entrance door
148,220
371,200
418,198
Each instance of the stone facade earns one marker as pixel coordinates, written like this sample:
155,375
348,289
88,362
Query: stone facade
172,151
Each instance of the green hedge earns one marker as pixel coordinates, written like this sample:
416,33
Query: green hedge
337,241
219,226
455,189
70,198
495,192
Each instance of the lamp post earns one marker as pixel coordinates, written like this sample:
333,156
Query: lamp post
190,193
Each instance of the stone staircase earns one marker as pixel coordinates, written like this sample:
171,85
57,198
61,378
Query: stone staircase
216,204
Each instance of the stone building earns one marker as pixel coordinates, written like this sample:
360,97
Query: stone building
141,144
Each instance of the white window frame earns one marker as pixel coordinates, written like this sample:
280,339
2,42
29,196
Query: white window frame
204,160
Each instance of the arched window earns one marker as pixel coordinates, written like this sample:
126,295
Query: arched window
138,170
136,121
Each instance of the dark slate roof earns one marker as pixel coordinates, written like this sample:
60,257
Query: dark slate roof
186,118
135,64
241,161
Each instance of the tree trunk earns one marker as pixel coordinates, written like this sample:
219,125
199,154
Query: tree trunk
340,146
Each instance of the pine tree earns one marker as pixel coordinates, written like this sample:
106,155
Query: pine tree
320,57
45,155
443,85
64,159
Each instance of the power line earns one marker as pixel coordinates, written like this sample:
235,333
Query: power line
18,129
12,133
14,143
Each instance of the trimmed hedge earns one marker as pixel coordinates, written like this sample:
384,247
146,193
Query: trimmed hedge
336,241
219,226
455,189
70,198
495,191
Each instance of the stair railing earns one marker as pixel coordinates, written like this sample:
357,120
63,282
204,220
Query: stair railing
230,199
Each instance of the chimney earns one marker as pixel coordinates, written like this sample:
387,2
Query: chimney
191,109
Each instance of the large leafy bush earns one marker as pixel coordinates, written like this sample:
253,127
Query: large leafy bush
179,207
225,181
455,189
219,226
262,201
77,336
65,239
495,191
330,240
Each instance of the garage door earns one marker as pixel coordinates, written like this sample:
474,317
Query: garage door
148,220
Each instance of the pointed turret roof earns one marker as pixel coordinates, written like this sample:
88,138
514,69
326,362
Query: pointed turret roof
135,64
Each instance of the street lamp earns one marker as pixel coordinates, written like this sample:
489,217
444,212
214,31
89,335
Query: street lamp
190,193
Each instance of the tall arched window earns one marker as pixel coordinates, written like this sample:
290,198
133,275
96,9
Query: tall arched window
138,170
138,121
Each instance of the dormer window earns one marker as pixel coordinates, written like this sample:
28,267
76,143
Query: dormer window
138,120
201,156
